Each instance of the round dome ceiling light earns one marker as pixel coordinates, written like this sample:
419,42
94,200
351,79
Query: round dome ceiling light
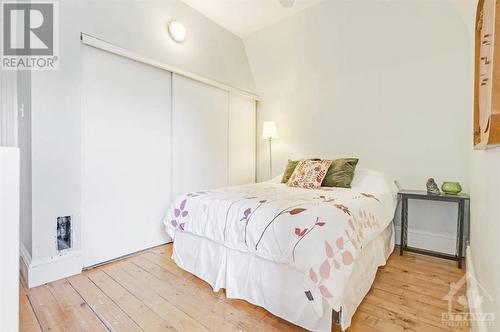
177,31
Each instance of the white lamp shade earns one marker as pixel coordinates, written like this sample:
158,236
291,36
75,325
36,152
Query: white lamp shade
177,31
269,130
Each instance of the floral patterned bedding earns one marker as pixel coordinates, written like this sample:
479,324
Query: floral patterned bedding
319,232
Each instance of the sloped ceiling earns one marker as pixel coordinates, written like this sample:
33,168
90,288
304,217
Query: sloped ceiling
243,17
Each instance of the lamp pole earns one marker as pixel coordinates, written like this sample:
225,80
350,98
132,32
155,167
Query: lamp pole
269,132
270,160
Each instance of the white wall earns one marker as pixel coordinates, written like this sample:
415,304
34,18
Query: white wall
484,178
485,226
8,104
414,82
386,81
9,238
139,26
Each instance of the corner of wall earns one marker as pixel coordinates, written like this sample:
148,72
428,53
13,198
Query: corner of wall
473,293
24,261
250,67
24,143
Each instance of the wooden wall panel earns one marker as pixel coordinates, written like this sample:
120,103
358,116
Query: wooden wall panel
487,75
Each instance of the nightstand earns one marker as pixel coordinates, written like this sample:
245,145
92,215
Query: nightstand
460,199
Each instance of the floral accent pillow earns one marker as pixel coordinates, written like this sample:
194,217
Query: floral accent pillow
309,174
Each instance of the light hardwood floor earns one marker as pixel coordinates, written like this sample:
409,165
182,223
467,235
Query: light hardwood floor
149,292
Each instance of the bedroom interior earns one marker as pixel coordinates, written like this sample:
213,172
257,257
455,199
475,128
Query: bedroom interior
249,165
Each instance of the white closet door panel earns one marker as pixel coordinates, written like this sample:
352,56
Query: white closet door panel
241,140
126,155
200,133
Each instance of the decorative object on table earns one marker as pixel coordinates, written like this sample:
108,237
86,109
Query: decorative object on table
487,75
270,132
462,235
432,187
451,188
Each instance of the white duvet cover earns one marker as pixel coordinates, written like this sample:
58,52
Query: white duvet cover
317,232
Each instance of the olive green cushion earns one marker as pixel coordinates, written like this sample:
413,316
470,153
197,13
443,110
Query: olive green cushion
290,167
340,173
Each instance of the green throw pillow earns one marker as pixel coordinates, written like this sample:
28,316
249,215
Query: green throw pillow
340,173
290,167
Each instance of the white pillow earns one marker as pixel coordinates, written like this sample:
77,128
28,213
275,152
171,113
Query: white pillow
276,179
368,179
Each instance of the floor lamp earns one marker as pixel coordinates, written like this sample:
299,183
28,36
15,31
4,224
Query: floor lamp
270,132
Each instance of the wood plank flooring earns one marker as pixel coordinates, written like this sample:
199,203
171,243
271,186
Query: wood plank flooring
148,292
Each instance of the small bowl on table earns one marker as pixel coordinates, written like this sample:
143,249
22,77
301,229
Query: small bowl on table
451,188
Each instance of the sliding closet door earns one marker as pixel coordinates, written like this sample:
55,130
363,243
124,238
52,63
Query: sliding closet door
126,137
200,135
241,140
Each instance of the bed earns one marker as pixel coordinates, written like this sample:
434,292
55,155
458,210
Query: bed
299,253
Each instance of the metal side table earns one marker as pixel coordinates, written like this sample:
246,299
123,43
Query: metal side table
461,199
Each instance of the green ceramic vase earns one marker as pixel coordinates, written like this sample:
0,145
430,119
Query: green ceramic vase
451,188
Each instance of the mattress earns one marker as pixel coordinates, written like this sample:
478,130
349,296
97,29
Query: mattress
278,287
318,236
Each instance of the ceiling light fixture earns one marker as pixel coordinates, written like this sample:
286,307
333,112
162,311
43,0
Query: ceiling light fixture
287,3
177,31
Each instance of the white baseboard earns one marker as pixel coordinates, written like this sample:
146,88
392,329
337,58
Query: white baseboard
40,271
426,240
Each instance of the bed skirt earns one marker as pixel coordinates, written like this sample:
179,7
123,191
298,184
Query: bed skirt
279,288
